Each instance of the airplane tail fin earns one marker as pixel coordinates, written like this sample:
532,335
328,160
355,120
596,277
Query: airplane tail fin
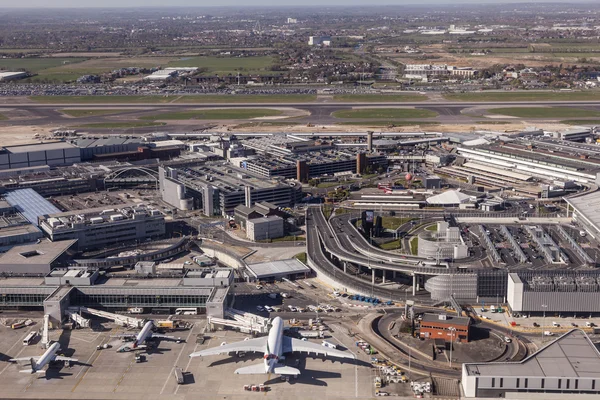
251,370
285,370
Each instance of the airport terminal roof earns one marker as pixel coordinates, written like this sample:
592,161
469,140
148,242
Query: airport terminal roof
277,268
498,171
44,252
29,203
40,147
587,206
571,355
449,197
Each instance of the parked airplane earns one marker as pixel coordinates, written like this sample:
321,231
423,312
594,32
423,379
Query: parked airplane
273,346
37,363
139,340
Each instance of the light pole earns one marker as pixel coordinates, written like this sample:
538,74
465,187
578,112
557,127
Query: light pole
544,306
452,330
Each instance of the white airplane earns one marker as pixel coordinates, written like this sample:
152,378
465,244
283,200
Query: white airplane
37,363
273,347
139,340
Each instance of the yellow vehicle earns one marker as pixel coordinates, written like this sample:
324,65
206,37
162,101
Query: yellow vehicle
377,382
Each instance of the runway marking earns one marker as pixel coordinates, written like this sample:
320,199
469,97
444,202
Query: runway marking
177,360
86,341
16,356
87,368
187,367
123,376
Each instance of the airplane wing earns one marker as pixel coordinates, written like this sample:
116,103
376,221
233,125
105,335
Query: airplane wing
125,335
61,358
164,337
292,345
24,359
255,345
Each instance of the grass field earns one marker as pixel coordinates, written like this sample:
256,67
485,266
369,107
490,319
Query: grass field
226,65
242,98
379,113
586,122
523,96
377,124
393,245
393,222
124,125
228,113
37,65
3,117
77,113
545,112
100,99
414,245
379,97
431,228
259,124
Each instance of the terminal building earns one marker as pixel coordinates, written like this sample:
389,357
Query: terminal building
97,227
217,188
36,258
567,366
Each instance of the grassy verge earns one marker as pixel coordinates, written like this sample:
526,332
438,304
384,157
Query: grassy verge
243,98
100,99
114,125
493,122
590,122
301,257
3,117
414,246
394,222
228,113
523,96
545,112
264,123
327,210
378,124
431,228
383,113
392,98
88,113
283,239
327,184
393,245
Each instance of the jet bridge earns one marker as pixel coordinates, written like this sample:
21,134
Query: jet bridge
123,320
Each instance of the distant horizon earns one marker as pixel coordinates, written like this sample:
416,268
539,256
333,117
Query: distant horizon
279,4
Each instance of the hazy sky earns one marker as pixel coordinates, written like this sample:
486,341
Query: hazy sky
242,3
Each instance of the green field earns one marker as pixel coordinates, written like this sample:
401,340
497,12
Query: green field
431,228
586,122
226,65
259,124
100,99
393,245
3,117
393,222
227,113
247,98
124,125
414,245
523,96
545,112
392,98
79,113
379,113
378,124
36,65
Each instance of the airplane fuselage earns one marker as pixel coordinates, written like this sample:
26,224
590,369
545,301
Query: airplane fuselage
140,339
274,350
46,357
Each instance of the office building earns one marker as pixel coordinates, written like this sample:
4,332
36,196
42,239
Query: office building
264,228
567,366
450,328
100,228
217,188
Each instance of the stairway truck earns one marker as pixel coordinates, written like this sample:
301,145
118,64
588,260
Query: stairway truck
178,376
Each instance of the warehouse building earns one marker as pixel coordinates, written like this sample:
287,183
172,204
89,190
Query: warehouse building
97,227
217,188
31,155
450,328
567,366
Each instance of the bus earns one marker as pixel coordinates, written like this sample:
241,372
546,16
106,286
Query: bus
186,311
29,338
